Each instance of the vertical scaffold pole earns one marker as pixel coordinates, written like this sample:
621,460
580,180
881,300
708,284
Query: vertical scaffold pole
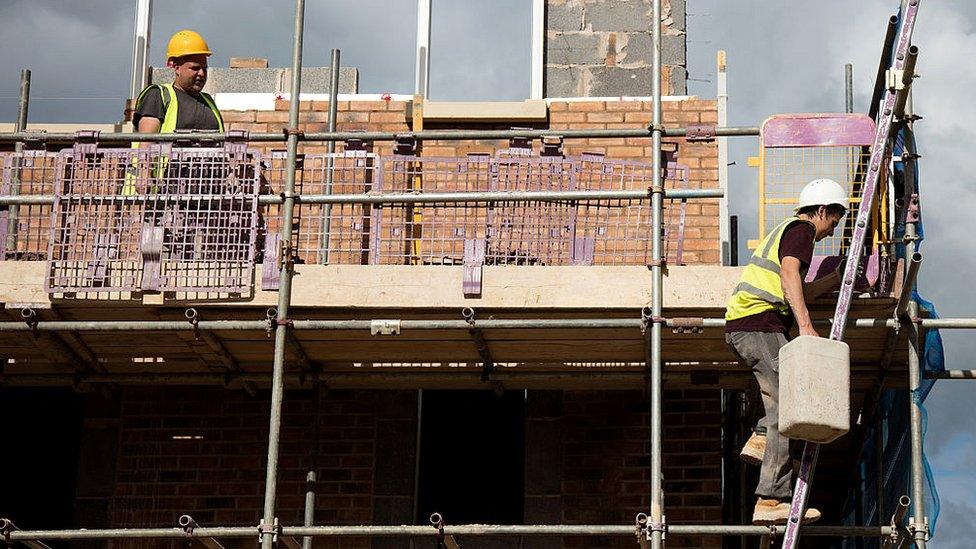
312,476
657,275
268,531
23,106
918,522
324,243
848,88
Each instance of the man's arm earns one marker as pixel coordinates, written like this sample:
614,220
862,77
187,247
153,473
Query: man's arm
793,290
149,124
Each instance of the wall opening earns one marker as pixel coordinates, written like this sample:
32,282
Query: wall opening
42,431
472,456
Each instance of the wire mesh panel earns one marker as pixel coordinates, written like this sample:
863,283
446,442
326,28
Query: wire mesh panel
24,229
326,233
606,232
797,149
179,220
621,229
535,233
433,234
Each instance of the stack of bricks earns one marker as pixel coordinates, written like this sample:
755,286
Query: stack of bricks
701,239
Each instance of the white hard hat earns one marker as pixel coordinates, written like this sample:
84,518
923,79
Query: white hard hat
822,192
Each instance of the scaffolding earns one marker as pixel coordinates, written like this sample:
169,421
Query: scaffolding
650,527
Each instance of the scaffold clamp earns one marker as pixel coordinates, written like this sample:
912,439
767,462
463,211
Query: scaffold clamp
406,145
552,145
30,318
384,327
274,530
188,525
271,316
6,528
293,131
699,132
689,325
86,142
194,319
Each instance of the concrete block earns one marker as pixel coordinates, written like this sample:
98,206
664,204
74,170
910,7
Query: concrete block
564,17
637,50
618,16
814,389
563,81
273,80
617,81
577,48
318,80
673,50
221,80
679,15
161,75
248,63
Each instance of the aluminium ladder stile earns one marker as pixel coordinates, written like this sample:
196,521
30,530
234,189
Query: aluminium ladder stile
876,164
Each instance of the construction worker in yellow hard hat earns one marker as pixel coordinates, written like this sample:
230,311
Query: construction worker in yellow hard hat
182,105
770,297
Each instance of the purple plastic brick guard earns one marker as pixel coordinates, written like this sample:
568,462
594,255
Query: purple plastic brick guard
818,130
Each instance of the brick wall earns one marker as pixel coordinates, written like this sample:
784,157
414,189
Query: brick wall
216,472
701,225
606,459
202,451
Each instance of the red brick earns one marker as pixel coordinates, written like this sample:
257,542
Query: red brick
587,106
605,117
272,116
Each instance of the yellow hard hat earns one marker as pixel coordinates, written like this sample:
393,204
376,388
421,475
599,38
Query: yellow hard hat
186,42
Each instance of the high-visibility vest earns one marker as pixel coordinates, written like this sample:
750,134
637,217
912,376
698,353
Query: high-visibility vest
761,289
171,107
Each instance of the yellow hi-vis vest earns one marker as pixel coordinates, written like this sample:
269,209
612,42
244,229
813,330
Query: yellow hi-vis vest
761,289
171,105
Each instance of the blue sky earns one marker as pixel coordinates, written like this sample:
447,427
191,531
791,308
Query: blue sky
782,57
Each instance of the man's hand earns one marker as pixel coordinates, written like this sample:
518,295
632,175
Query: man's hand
808,330
841,266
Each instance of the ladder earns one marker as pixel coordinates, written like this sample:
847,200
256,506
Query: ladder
879,154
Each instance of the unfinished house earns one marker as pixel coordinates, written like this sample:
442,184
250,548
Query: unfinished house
454,314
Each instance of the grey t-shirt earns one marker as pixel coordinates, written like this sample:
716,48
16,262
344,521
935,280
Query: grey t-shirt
192,113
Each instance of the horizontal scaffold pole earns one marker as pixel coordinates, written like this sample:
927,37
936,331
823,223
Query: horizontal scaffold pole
459,530
488,324
386,198
426,135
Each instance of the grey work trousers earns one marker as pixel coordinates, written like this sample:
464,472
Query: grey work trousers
759,351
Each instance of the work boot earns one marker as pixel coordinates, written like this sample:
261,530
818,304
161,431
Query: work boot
771,511
753,450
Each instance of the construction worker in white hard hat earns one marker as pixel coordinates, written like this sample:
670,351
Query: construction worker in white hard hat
769,298
182,105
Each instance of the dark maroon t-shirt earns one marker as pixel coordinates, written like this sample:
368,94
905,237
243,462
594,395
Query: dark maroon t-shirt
797,242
